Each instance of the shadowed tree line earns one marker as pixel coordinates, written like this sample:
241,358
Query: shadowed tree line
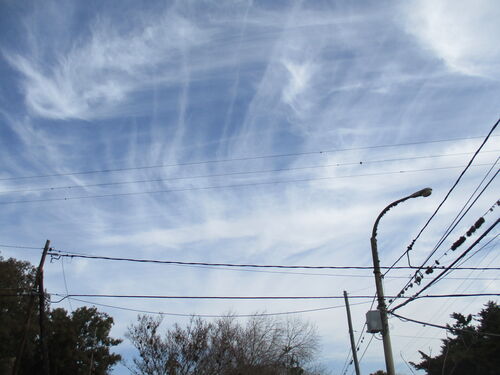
79,342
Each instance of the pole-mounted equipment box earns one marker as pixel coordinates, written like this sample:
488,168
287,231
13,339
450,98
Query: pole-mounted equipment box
373,321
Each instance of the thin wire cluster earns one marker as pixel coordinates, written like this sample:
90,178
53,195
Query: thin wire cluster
448,231
447,327
471,230
448,268
419,276
239,159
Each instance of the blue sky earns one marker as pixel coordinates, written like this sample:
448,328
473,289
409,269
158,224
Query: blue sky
113,85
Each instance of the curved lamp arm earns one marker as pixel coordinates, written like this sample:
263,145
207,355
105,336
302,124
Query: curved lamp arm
421,193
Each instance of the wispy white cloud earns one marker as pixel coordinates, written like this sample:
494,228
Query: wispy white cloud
98,72
217,80
461,33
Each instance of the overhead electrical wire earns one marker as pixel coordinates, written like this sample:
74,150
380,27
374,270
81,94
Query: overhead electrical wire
246,158
410,247
475,252
460,215
22,247
447,268
61,253
231,186
447,304
448,328
148,296
462,261
393,278
227,174
497,203
57,253
212,315
366,348
231,267
66,284
454,226
418,275
346,363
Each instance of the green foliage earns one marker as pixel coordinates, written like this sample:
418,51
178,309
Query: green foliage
16,277
471,351
81,340
76,341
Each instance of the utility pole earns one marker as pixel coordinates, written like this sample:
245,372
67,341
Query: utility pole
41,315
351,335
29,313
382,307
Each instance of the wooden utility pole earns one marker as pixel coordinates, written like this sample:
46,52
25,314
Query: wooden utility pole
41,315
29,312
351,335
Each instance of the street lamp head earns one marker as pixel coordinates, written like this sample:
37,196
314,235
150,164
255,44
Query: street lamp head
422,193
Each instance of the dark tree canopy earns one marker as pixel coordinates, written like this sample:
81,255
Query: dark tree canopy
76,341
16,277
470,350
80,342
224,347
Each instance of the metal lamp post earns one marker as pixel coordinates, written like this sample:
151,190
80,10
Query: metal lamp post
389,361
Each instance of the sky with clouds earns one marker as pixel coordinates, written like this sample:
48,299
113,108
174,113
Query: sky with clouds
249,132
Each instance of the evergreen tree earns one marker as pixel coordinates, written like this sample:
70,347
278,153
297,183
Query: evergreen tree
79,343
473,350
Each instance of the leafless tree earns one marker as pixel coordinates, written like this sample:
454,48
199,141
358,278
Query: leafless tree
264,345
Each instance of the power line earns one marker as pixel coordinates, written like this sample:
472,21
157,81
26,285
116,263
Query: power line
252,270
367,346
66,283
35,248
22,247
410,247
247,158
211,315
55,254
475,252
232,186
444,306
143,296
458,218
418,276
453,330
237,173
58,253
453,226
497,203
440,242
200,297
448,268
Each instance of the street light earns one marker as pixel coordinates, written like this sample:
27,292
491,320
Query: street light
382,308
